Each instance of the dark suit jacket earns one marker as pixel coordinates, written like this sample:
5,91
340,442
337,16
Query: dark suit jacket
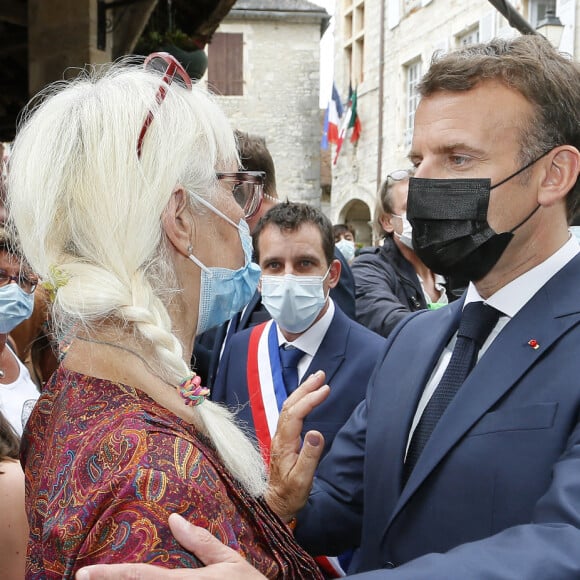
347,354
497,487
343,293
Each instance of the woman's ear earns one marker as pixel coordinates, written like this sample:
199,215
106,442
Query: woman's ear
177,221
562,168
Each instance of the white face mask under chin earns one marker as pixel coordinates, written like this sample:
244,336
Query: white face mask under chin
294,302
406,236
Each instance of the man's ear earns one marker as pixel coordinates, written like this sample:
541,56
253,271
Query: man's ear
334,273
562,168
177,221
385,221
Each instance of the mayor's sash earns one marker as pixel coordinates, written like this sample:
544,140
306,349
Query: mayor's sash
266,389
267,394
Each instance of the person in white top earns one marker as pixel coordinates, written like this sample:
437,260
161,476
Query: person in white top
18,393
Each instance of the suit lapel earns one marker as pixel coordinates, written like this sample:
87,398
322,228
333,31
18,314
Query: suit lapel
247,312
393,399
332,350
548,315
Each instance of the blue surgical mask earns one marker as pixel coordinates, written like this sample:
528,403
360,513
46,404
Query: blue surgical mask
15,307
225,292
294,302
346,248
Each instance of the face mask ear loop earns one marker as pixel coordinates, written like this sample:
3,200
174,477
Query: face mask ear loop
520,171
512,176
202,266
525,219
214,209
323,279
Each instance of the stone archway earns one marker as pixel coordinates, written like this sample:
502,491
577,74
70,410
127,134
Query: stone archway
357,214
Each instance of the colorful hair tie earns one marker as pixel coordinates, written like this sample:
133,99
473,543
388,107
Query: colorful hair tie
192,392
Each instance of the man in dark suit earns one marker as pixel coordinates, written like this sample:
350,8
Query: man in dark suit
480,480
293,243
474,478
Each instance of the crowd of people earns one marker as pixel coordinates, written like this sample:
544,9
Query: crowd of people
230,388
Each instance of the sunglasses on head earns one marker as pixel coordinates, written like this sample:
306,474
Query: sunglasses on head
247,186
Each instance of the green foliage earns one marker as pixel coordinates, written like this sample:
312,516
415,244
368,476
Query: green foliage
154,40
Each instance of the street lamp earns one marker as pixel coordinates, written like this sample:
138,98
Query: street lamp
551,28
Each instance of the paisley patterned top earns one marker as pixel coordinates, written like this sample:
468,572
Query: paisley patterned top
106,466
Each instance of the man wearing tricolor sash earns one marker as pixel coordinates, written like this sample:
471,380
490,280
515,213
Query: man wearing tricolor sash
261,366
294,247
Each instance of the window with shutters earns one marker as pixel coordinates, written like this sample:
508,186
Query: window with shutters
354,39
225,69
469,37
413,74
537,10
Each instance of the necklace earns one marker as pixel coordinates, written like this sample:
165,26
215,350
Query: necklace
189,388
130,351
2,370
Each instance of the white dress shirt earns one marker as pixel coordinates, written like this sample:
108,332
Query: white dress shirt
439,286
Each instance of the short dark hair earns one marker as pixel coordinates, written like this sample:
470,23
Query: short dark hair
341,229
255,156
290,217
9,440
532,66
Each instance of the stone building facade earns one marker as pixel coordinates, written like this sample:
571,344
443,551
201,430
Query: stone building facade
279,55
384,46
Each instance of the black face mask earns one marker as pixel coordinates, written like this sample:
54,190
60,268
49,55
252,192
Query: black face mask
451,234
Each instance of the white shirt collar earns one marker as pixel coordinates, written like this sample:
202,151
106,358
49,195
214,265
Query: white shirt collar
310,339
514,296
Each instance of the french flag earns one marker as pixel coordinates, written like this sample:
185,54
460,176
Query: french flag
332,118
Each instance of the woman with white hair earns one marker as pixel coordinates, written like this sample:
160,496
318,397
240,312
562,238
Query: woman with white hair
124,189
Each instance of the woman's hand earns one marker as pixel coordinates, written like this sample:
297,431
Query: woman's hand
293,463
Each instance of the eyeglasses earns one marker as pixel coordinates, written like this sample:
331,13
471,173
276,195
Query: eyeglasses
400,174
28,284
166,64
248,189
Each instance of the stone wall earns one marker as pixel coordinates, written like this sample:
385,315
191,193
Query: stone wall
62,38
281,98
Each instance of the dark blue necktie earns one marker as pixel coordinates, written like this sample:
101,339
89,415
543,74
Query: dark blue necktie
477,321
289,358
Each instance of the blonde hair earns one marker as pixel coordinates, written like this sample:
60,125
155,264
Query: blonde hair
88,211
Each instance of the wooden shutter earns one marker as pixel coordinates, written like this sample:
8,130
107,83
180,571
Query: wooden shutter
225,71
